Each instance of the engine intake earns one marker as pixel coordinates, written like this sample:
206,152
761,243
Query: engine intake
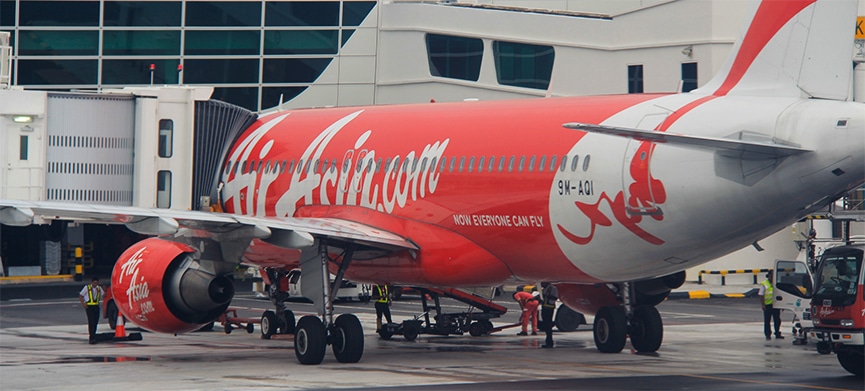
158,285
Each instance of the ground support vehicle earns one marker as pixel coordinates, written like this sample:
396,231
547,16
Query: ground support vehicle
231,321
475,320
838,307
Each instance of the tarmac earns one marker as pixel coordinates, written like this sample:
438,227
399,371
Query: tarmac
44,287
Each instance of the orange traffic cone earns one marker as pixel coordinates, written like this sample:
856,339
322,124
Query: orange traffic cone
120,328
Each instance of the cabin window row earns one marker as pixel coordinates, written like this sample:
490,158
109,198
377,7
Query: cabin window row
471,164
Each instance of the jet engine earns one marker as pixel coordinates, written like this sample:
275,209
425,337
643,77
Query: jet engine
158,284
589,298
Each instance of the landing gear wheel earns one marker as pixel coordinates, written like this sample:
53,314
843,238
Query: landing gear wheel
111,314
852,362
476,329
410,332
568,320
310,340
347,341
610,329
647,329
250,328
286,322
268,324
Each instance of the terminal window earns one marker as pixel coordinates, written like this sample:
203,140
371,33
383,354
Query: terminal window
524,65
635,79
689,76
454,57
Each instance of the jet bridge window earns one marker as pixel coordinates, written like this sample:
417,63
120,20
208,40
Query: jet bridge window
523,65
163,189
635,79
454,57
166,138
689,76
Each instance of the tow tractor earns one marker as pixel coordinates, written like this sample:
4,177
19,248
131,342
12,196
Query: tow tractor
838,307
476,323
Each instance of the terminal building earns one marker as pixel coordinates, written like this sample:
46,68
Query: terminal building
112,102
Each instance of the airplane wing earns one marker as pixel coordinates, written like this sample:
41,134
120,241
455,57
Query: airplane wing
290,232
760,147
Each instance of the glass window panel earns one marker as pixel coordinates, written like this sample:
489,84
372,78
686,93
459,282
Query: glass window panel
246,97
142,13
270,95
346,34
166,138
58,72
354,12
164,42
58,43
296,13
219,71
221,42
138,71
7,13
454,57
163,189
635,79
300,41
294,70
523,65
689,76
223,13
59,13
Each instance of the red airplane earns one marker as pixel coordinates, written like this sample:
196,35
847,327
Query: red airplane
610,198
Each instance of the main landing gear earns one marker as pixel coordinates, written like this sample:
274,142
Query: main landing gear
312,333
641,322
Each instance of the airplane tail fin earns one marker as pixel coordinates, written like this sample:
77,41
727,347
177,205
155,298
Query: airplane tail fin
798,48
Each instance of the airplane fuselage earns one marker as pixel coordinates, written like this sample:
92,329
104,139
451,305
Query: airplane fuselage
542,202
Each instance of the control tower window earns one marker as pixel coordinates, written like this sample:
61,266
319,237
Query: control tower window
454,57
166,138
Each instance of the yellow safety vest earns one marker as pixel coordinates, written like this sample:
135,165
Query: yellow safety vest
93,295
382,294
768,292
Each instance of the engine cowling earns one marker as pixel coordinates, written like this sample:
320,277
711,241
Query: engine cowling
157,284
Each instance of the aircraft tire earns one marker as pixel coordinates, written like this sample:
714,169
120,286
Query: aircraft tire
647,329
268,324
287,323
111,314
852,362
610,329
310,340
347,339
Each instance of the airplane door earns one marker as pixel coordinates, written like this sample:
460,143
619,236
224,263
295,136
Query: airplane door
640,189
793,286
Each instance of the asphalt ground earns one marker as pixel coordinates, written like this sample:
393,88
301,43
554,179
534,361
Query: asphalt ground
710,344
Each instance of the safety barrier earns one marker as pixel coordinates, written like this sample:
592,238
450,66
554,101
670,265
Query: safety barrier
724,274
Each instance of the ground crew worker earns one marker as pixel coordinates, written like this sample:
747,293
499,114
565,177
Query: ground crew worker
767,290
90,297
381,295
529,306
549,295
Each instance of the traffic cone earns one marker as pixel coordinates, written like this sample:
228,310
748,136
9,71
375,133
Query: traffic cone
120,328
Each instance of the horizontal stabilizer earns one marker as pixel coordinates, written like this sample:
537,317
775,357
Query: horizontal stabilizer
730,147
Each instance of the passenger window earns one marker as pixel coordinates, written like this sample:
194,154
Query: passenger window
291,167
511,163
308,166
333,165
574,163
299,166
522,163
282,168
267,167
443,164
532,164
243,169
405,165
481,164
542,164
324,164
501,163
414,165
462,163
359,165
396,164
378,165
317,165
453,163
564,163
553,163
586,162
471,164
369,166
423,164
227,168
432,164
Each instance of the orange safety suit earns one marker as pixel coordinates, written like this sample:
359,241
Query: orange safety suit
530,310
